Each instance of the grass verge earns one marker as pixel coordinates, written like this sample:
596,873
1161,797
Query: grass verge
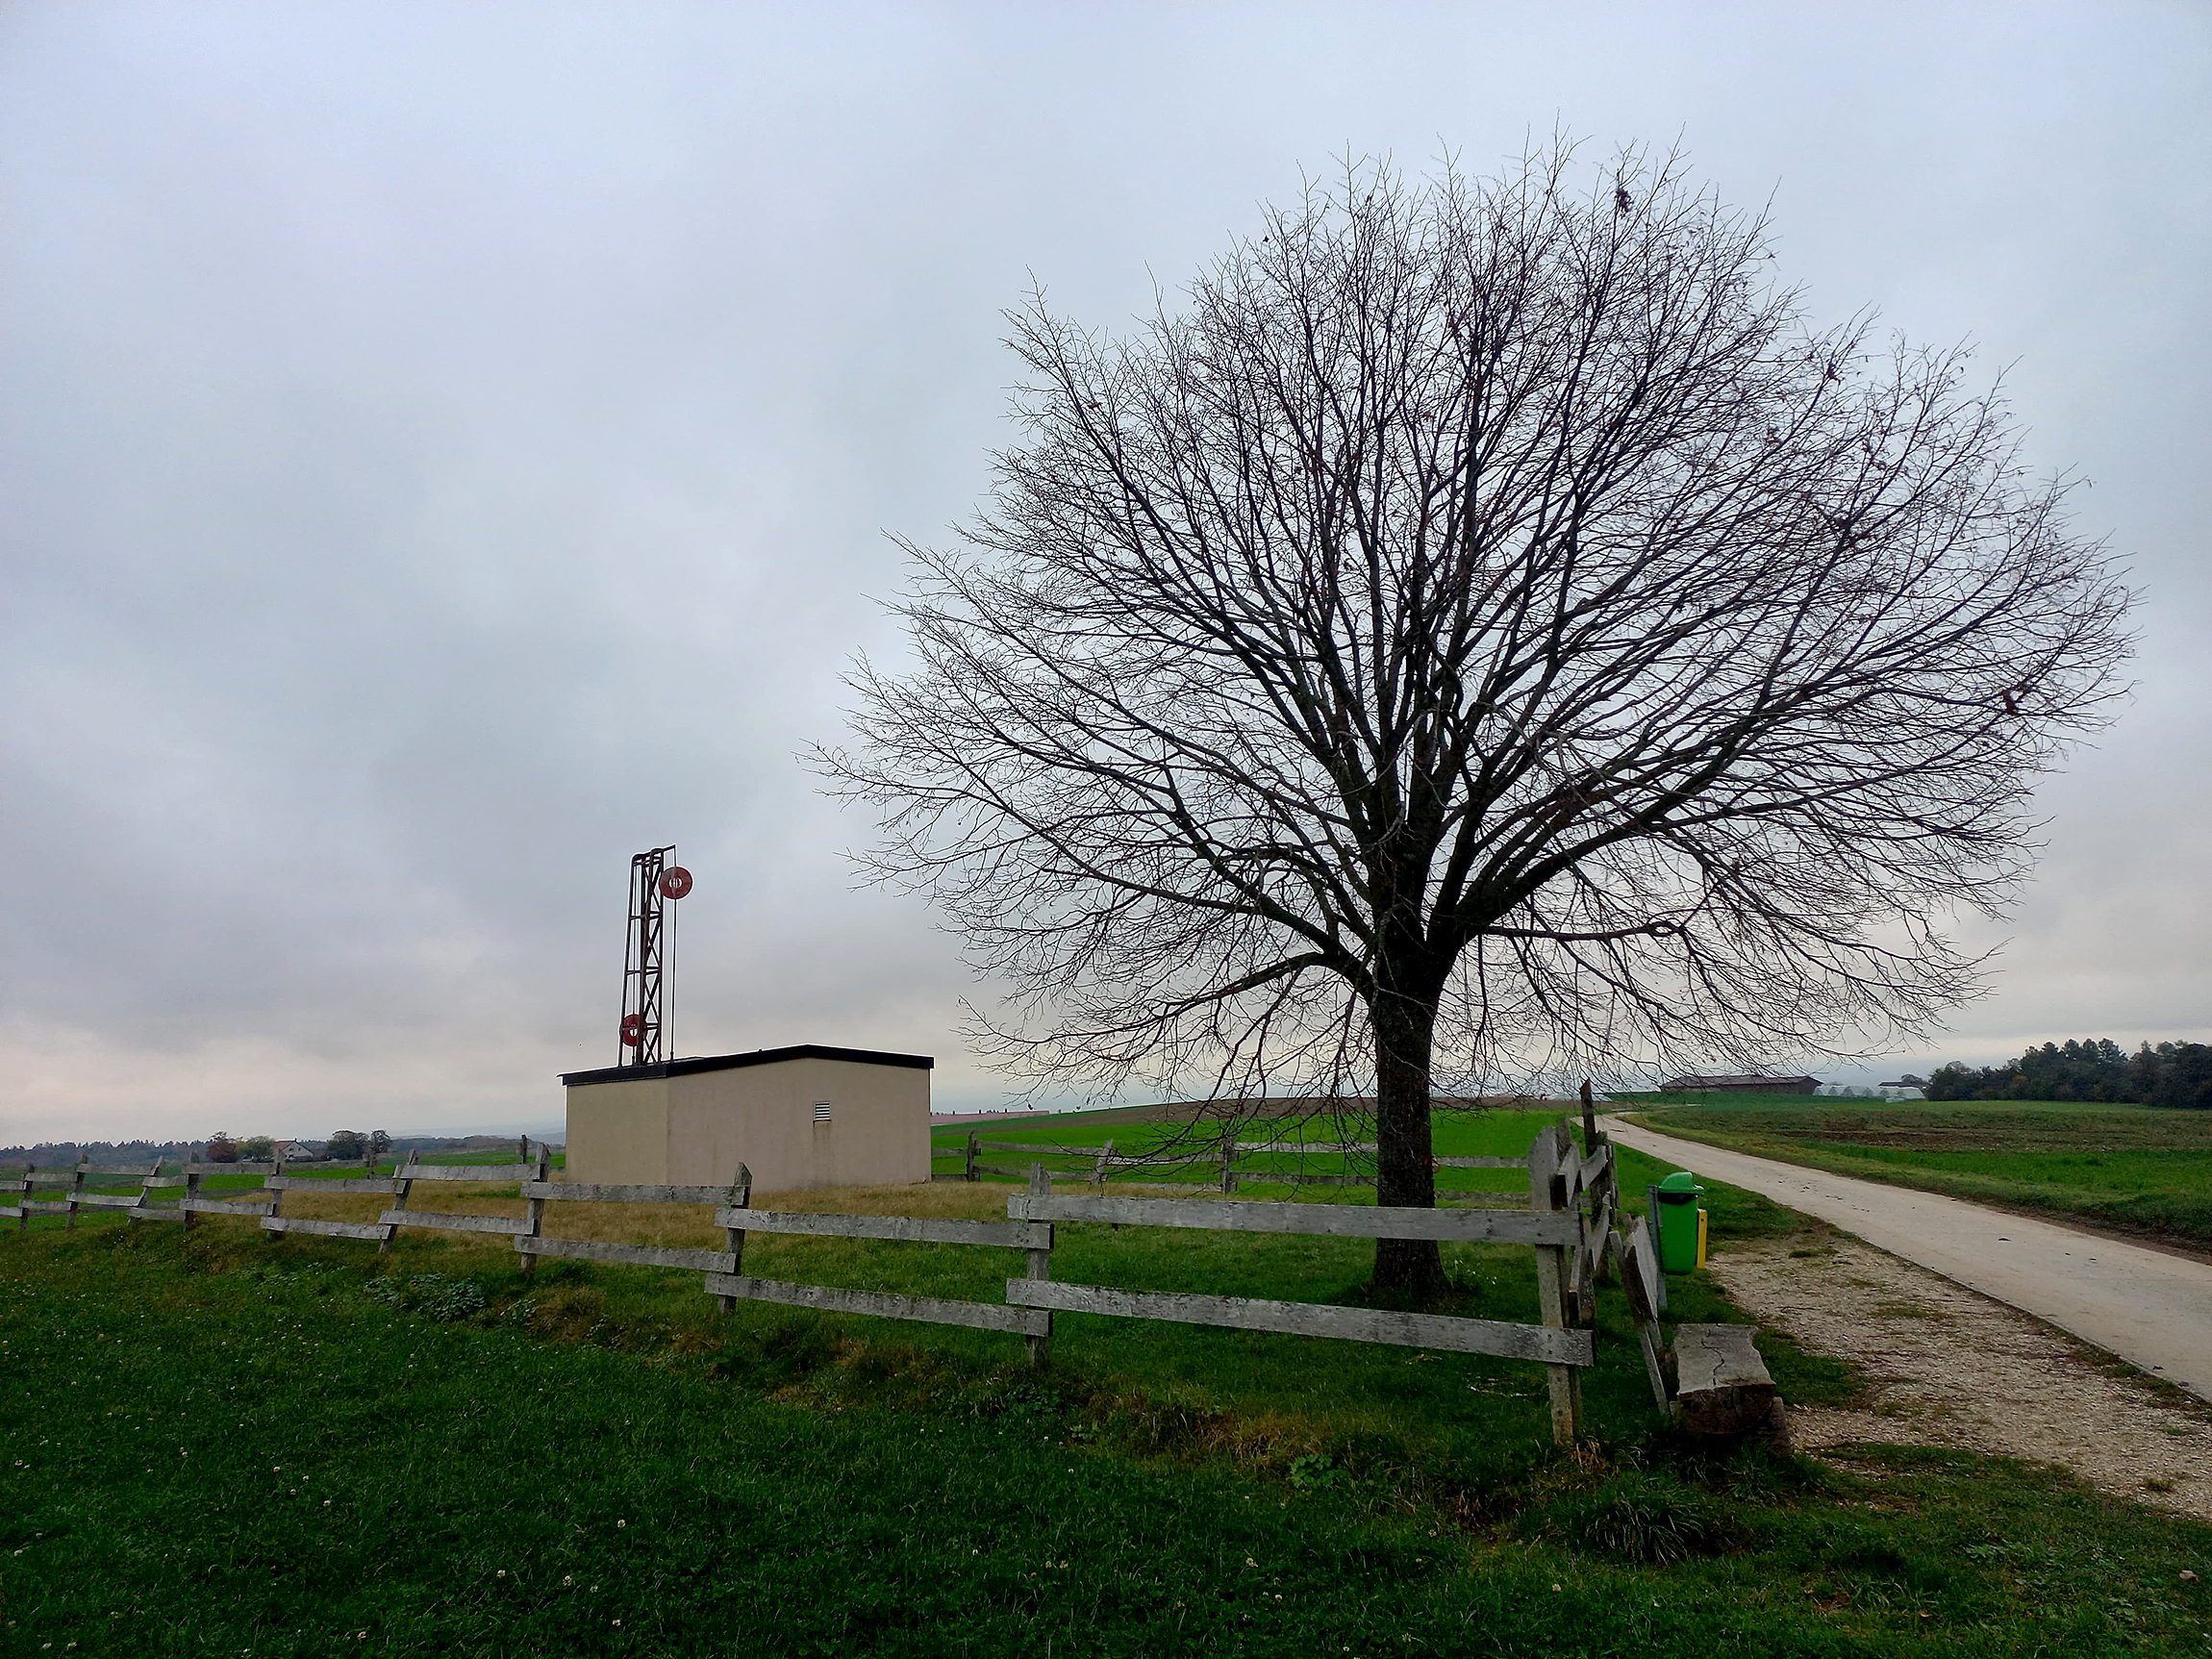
221,1443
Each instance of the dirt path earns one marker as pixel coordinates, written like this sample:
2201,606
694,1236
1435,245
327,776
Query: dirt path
2153,1309
1951,1367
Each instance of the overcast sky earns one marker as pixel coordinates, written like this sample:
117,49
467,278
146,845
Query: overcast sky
445,449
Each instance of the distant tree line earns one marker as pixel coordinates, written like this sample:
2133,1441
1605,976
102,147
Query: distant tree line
345,1145
2170,1074
55,1154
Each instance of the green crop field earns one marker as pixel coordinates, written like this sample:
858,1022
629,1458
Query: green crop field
222,1443
2143,1168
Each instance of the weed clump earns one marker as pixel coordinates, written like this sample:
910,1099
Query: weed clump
1316,1471
434,1295
1644,1518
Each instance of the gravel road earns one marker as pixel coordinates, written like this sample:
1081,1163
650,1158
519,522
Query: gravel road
2150,1308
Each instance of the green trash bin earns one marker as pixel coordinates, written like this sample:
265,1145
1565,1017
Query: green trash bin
1678,1211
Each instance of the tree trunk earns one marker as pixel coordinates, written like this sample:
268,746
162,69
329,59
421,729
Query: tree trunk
1404,1030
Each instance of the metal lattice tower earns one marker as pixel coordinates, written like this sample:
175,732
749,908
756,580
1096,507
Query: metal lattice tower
644,1001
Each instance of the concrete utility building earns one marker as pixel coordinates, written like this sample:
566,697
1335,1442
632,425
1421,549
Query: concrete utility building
807,1115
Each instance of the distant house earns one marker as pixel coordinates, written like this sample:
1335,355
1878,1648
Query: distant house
1739,1083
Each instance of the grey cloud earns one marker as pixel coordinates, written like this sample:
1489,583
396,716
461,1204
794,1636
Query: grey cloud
444,451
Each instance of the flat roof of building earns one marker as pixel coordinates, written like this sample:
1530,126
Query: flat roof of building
758,1057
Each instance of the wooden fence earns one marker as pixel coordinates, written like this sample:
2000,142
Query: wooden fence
1570,1221
1222,1155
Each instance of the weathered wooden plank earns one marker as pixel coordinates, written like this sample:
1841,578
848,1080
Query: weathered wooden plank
910,1229
152,1181
1631,1253
1721,1383
250,1206
329,1229
495,1175
585,1193
636,1255
1036,1268
1480,1162
1046,1151
128,1172
454,1222
385,1183
47,1206
1023,1174
977,1316
1330,1221
11,1212
1321,1148
1495,1337
1165,1166
1292,1178
108,1200
1547,1194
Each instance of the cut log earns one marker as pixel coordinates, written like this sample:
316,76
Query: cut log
1721,1383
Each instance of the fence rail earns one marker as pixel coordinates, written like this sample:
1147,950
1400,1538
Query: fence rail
1495,1337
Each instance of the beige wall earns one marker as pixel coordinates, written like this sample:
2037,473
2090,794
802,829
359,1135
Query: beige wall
695,1128
619,1132
762,1116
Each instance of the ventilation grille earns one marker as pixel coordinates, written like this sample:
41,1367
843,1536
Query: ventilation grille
821,1112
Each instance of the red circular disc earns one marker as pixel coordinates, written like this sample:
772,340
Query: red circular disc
633,1030
675,881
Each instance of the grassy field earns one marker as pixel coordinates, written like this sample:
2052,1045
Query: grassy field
223,1442
2140,1168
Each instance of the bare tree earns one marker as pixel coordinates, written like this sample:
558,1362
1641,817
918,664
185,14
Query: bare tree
1484,631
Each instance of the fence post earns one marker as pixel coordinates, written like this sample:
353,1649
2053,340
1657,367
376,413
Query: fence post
1105,1157
131,1217
1547,1191
741,1198
406,1184
276,1193
1040,1267
191,1196
76,1186
1228,1162
971,1149
537,1206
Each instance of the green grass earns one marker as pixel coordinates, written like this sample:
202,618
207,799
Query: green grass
2141,1168
222,1441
